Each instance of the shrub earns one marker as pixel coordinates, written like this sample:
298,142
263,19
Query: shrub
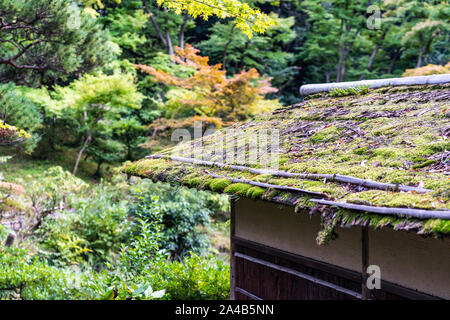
90,230
24,276
183,215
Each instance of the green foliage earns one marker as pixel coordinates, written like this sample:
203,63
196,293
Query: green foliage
247,19
90,230
93,103
195,277
360,90
24,276
181,213
17,110
266,52
52,41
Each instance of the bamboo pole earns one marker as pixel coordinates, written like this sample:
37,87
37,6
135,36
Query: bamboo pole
331,177
405,212
308,89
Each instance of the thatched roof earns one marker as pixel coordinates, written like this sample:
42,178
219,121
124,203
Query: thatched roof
379,158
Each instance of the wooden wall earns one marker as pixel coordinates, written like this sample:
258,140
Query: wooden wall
274,256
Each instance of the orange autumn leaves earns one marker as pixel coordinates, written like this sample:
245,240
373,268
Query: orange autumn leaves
230,99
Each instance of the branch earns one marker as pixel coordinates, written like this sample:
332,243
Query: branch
183,27
155,24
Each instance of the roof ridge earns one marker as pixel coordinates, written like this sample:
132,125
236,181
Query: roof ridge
309,89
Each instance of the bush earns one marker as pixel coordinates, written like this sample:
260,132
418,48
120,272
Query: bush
196,277
91,230
184,216
142,266
24,276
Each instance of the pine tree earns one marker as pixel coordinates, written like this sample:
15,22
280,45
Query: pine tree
43,41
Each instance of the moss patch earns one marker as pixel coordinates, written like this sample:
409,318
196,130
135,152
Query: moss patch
238,189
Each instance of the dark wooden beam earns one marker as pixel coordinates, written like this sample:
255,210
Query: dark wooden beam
247,294
365,292
232,249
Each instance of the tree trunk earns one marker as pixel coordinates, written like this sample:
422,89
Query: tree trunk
86,142
183,27
328,76
97,172
424,51
225,50
372,56
169,43
83,148
155,24
420,59
371,59
340,62
375,50
168,39
394,59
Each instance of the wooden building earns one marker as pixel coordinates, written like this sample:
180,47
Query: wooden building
360,189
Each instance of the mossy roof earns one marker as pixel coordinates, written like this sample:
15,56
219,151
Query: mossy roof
397,135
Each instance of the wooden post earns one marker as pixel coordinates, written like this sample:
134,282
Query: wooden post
365,295
232,250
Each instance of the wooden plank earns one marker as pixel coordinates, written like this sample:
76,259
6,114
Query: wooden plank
247,294
298,259
299,274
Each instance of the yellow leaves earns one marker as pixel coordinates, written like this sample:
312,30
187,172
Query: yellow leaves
10,134
90,11
249,20
427,70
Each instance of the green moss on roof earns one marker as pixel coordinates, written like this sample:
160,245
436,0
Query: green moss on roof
238,189
395,135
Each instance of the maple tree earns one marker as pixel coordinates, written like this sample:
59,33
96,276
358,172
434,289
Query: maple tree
208,91
249,20
96,101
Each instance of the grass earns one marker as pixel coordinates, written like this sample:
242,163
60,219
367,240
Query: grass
22,165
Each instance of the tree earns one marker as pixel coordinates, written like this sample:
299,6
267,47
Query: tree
95,100
209,91
247,19
19,111
424,22
170,28
340,21
267,53
43,41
